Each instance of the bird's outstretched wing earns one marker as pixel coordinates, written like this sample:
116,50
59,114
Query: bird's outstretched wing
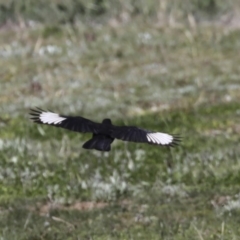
77,124
135,134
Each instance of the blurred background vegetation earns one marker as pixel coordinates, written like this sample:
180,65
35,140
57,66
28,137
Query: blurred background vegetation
70,11
167,65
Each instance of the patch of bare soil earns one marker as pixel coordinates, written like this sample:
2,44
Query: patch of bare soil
45,208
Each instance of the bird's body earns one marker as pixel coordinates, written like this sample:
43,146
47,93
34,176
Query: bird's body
101,141
103,133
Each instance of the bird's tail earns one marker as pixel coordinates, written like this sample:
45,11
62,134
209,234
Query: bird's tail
99,142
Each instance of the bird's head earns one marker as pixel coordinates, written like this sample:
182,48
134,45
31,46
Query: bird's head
107,121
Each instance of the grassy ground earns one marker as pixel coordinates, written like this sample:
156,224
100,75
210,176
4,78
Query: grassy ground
180,77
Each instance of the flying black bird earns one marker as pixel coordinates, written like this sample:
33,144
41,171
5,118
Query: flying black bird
103,133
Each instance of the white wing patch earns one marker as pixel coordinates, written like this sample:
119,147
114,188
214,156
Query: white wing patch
50,118
160,138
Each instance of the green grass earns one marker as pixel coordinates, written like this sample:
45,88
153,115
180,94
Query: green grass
70,11
180,77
